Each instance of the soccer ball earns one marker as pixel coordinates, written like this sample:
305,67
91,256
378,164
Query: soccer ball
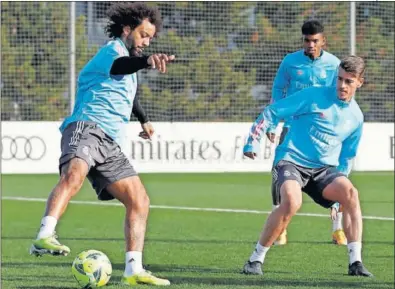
92,269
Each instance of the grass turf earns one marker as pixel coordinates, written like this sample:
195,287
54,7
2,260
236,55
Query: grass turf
197,249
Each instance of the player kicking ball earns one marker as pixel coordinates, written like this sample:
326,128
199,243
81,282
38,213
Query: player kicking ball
93,135
315,157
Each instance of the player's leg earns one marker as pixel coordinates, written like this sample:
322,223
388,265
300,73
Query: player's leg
276,198
116,178
282,238
290,183
132,194
339,188
73,170
338,235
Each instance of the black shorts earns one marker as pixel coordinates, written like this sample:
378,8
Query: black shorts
107,164
312,181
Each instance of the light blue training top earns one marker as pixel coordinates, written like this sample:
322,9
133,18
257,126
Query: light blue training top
104,98
297,71
325,130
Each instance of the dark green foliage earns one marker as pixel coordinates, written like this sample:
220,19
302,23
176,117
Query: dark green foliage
223,50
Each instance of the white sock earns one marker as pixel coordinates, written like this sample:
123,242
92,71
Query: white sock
48,224
354,251
337,222
133,263
275,207
259,253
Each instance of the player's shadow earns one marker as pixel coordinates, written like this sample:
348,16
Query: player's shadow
147,240
35,264
172,268
46,287
266,282
178,268
197,241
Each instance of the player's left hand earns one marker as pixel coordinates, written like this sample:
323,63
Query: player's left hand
333,213
148,131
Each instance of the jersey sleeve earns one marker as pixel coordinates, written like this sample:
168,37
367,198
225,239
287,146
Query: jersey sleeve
349,151
296,104
107,56
281,82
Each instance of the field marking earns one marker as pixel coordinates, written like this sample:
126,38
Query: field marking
98,203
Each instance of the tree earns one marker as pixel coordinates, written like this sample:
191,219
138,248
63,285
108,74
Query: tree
224,51
35,49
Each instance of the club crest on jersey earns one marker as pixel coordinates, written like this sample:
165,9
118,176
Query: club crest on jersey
299,72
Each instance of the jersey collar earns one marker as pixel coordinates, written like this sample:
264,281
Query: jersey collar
340,102
312,60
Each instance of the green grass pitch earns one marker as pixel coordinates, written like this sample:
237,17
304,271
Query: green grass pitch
198,249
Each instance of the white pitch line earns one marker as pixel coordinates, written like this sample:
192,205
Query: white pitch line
97,203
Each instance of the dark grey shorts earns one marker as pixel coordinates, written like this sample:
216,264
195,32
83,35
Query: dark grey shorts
107,164
312,181
276,198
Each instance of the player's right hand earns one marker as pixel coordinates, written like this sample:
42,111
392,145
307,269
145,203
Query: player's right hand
271,136
250,155
159,60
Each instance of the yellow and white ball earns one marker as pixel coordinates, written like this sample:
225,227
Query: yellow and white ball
92,269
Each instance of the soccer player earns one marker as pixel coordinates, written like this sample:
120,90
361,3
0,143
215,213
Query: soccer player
315,157
92,137
310,66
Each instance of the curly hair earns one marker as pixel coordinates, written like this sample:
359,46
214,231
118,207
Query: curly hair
130,14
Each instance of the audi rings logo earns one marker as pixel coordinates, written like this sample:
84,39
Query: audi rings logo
22,148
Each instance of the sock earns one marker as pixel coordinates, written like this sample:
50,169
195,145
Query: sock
337,223
259,253
275,207
48,224
354,251
134,263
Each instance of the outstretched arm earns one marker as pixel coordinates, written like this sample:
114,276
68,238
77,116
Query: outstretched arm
293,105
131,64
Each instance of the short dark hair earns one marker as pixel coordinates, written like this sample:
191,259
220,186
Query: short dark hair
312,27
354,65
130,14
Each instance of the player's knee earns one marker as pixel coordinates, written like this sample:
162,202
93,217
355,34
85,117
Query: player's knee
72,180
290,206
351,196
140,201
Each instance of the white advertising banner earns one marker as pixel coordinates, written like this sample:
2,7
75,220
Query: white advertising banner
376,149
34,147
